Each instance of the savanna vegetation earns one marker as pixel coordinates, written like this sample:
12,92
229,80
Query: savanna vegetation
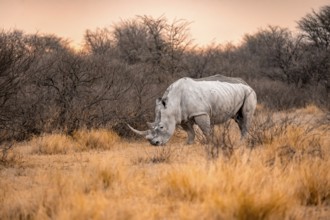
280,172
66,152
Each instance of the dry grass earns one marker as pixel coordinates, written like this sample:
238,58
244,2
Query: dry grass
81,140
95,175
101,139
54,144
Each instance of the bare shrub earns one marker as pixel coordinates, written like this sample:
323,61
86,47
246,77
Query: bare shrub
271,94
290,138
265,129
222,141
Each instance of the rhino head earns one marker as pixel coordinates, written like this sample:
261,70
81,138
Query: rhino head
162,129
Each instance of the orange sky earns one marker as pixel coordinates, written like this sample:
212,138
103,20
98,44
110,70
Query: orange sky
217,21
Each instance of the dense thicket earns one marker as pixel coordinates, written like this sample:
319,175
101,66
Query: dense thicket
46,85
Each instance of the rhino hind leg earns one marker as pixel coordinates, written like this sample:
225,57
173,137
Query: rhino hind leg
188,127
244,116
241,120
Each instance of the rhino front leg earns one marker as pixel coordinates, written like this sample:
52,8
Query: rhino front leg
204,123
188,127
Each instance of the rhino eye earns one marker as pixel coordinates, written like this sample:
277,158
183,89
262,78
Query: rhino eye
161,127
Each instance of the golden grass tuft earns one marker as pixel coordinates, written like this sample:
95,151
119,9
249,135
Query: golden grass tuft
247,190
81,140
242,205
101,139
184,184
311,109
313,183
54,144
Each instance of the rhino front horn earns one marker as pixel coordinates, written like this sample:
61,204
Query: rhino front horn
142,133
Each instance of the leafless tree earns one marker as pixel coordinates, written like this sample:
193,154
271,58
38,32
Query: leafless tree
153,41
16,59
98,41
131,41
198,62
316,27
278,51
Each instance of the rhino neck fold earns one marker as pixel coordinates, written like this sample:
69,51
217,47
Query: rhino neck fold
171,125
174,97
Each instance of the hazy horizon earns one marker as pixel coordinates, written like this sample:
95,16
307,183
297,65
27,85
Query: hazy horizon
212,21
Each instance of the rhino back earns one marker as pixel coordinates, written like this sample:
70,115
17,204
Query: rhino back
222,78
220,100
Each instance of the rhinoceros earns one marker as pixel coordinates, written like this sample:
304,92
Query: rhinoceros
205,102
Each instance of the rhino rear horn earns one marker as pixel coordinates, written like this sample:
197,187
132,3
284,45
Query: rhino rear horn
142,133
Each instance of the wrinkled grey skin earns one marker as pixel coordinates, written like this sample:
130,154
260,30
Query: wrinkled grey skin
204,102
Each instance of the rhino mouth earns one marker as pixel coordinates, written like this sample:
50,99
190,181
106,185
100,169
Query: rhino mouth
156,143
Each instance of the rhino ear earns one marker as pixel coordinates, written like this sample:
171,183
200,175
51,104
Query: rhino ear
158,101
162,102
